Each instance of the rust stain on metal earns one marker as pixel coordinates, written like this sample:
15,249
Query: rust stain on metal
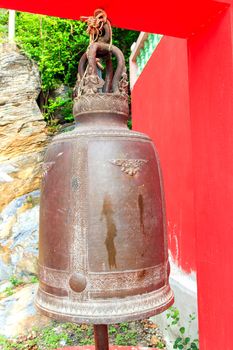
142,274
141,212
111,231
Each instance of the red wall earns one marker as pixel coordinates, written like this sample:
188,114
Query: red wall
184,101
161,109
211,114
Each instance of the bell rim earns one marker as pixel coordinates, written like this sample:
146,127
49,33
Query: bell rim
108,316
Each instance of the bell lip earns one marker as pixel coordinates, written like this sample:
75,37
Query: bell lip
108,318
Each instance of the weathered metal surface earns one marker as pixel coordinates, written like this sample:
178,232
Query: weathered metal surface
101,337
103,247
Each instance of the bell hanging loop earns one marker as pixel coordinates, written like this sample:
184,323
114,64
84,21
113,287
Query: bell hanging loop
101,49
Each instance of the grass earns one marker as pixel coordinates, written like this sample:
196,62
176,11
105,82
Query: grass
57,335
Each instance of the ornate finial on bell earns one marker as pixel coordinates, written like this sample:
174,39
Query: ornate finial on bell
103,254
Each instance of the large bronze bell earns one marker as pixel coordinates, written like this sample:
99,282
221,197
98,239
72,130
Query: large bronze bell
103,255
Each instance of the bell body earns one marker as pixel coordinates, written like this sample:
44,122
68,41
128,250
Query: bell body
103,248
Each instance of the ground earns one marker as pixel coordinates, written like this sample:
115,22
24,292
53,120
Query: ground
142,333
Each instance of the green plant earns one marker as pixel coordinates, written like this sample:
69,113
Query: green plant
7,344
9,291
183,340
29,199
57,45
34,279
112,330
129,123
4,343
3,25
128,338
59,104
51,339
160,345
15,281
124,326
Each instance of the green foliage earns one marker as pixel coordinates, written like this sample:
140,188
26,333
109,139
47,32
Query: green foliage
160,345
183,341
5,343
57,45
124,326
50,339
129,123
3,25
128,338
9,291
124,39
15,281
56,105
58,334
34,279
112,330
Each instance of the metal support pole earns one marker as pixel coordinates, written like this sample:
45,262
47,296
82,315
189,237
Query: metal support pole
101,337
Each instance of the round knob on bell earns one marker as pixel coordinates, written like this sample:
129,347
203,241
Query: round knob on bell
77,282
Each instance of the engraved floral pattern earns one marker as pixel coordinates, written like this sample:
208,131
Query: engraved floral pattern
129,166
88,311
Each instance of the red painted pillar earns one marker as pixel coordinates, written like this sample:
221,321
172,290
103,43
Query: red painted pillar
211,113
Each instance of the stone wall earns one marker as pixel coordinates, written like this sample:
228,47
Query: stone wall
23,139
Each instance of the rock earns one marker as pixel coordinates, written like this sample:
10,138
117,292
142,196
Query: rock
18,314
62,91
22,128
4,285
23,139
19,236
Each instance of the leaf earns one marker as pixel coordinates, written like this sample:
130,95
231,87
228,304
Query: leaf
178,340
187,340
182,330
